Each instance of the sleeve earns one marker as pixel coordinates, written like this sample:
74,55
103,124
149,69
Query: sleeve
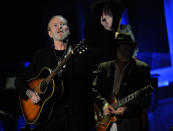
21,79
146,100
96,85
143,102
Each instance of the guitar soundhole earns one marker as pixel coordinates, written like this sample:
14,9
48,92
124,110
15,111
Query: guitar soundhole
43,86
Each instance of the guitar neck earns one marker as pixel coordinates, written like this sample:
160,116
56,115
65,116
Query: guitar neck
78,48
147,90
125,100
58,68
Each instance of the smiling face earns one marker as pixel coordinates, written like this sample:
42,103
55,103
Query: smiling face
58,28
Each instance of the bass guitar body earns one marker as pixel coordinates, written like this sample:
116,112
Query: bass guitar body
34,113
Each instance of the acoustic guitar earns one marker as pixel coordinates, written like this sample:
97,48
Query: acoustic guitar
105,121
44,85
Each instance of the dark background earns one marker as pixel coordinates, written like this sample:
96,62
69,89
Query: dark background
25,23
25,32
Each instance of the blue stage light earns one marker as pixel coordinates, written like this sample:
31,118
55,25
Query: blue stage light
26,64
168,6
124,17
166,74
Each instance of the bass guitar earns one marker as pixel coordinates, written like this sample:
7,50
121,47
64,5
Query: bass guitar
104,122
44,85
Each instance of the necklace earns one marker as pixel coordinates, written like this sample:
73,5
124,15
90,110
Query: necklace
59,58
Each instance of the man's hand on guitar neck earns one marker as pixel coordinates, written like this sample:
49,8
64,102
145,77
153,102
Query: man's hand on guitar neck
108,109
33,96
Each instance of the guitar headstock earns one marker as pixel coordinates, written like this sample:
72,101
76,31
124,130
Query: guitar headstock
147,90
80,48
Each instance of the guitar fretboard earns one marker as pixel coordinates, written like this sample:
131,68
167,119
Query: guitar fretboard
54,72
126,100
78,48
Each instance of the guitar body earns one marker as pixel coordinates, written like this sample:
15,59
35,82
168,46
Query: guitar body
44,85
104,122
34,113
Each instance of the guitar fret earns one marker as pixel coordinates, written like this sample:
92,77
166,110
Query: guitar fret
40,85
107,119
125,100
130,97
53,73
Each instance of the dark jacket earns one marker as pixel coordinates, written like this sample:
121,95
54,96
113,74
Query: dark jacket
75,107
136,76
